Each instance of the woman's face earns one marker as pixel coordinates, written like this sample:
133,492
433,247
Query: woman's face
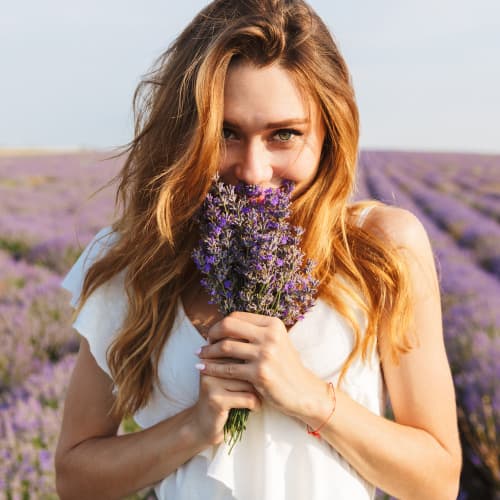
271,132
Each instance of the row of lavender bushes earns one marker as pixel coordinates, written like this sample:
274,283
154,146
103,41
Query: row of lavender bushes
47,216
466,244
46,219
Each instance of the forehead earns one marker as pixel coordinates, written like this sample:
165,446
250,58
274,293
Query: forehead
267,93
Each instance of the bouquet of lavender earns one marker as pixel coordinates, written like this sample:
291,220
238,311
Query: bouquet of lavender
250,258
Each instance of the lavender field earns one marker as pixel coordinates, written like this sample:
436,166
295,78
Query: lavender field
47,218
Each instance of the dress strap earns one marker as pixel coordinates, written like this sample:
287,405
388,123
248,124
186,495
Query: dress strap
363,214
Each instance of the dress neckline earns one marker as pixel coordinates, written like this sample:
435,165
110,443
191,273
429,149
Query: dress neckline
187,320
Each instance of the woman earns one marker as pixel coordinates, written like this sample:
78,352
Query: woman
258,92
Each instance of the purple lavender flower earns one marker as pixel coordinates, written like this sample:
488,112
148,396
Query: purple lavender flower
250,258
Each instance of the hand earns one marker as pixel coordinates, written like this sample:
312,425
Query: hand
264,356
216,397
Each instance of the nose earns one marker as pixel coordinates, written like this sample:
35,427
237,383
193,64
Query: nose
253,166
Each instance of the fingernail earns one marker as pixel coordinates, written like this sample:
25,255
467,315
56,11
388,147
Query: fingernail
199,366
198,350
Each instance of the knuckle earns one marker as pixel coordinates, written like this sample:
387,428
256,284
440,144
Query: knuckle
271,335
267,337
225,324
262,375
225,347
267,353
275,324
254,402
213,400
228,369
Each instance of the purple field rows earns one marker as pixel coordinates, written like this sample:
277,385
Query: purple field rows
47,218
470,288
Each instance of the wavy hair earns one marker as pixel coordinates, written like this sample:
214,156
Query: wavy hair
175,153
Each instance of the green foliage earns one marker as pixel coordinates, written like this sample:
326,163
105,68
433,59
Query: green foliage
129,425
17,248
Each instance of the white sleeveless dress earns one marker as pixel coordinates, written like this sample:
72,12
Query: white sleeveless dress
276,459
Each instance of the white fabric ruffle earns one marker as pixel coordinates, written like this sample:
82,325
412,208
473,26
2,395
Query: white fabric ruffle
276,458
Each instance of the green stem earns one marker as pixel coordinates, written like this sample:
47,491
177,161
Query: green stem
235,426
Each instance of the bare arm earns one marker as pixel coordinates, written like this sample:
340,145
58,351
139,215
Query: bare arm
92,462
418,455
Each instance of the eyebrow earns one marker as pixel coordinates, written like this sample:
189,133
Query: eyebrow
272,125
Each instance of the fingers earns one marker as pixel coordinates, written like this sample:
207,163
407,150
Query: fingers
233,327
245,326
229,348
232,385
224,370
256,319
238,400
225,394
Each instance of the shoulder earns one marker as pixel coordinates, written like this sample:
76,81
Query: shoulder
96,249
103,240
403,231
398,227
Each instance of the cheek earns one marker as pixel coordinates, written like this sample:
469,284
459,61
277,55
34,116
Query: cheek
301,166
226,160
297,164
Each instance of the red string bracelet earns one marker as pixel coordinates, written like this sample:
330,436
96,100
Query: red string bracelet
316,432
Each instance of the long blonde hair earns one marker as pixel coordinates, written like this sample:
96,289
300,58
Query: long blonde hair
172,160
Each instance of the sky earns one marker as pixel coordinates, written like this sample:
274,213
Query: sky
426,74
